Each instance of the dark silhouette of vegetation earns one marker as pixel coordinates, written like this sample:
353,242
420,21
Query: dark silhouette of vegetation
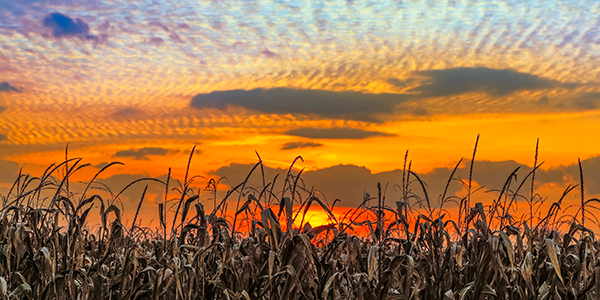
411,251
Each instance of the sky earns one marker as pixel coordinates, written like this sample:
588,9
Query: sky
348,85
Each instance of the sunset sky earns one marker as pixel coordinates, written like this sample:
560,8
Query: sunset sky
348,85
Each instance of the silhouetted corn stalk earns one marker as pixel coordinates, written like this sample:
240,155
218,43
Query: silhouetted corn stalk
48,251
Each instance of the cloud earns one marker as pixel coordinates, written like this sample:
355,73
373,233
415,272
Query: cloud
160,25
349,182
345,182
420,111
101,165
9,171
570,174
64,26
156,41
6,87
496,82
3,137
141,153
396,82
587,101
326,104
268,53
130,198
400,83
335,133
125,111
296,145
493,175
544,100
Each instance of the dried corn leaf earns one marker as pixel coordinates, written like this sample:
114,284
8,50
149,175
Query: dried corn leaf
22,288
372,262
551,248
449,295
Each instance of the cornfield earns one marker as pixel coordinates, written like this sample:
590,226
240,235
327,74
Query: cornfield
411,251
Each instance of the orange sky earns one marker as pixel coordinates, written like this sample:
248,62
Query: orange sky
349,86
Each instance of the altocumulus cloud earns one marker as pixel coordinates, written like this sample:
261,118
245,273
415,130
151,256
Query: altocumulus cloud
496,82
336,133
335,105
296,145
141,153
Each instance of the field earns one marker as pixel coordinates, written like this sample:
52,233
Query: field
409,251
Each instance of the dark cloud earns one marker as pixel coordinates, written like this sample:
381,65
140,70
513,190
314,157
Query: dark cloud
396,82
345,182
117,182
491,174
570,174
175,37
336,105
335,133
375,108
6,87
141,153
296,145
587,101
349,182
159,24
496,82
268,53
544,100
9,171
64,26
131,196
127,111
3,137
156,41
400,83
101,165
494,174
420,111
